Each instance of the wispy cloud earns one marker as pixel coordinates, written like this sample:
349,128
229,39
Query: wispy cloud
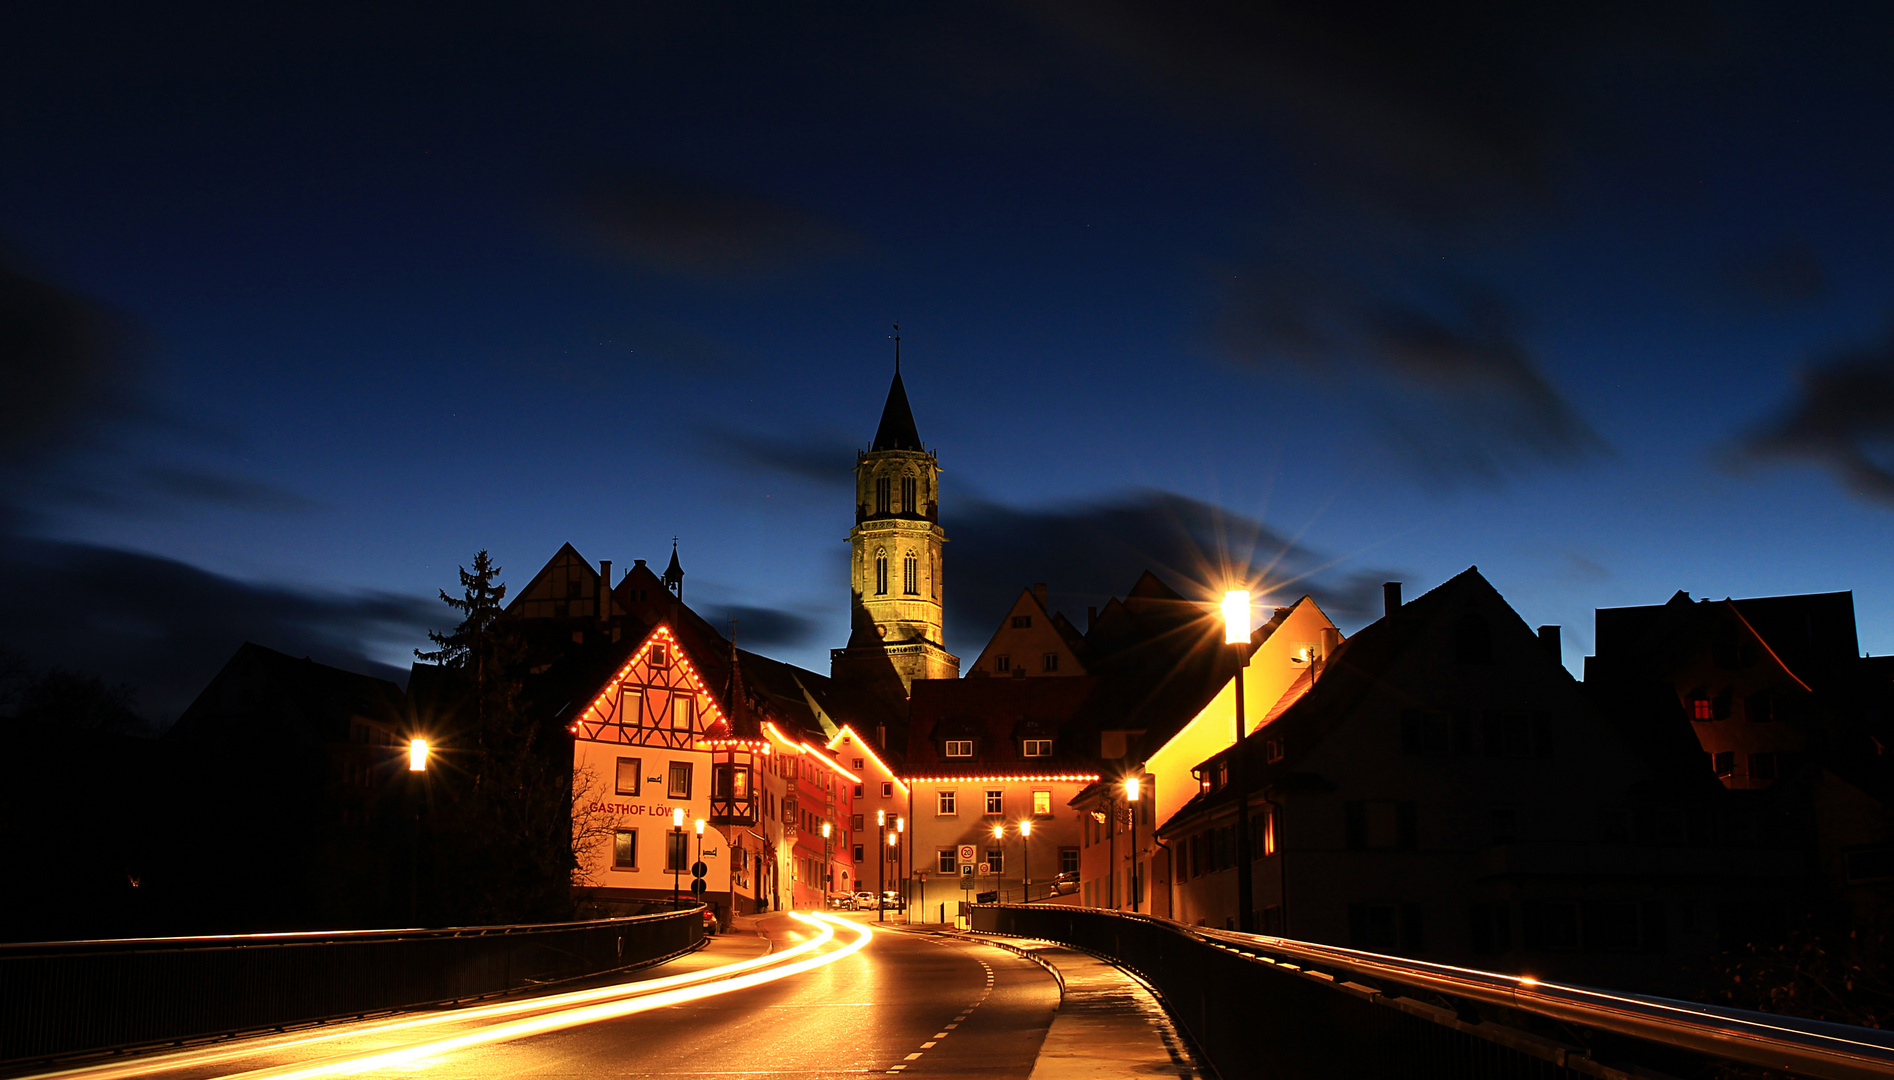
1841,417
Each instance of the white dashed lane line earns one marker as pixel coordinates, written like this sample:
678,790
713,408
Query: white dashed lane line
985,990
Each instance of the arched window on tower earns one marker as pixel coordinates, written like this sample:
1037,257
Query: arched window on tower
908,502
910,575
933,576
881,494
881,573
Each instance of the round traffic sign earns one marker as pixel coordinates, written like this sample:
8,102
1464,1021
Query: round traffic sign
699,869
699,887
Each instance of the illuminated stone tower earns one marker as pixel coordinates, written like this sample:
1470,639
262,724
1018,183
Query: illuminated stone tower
896,629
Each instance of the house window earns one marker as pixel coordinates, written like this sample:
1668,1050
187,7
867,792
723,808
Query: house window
625,849
887,789
933,576
944,860
679,786
910,575
1041,803
881,573
858,764
629,769
681,713
1036,748
659,656
1702,708
855,822
730,782
882,495
1051,661
944,804
859,788
858,852
1068,860
958,748
996,802
1002,663
995,864
1724,763
1762,766
631,708
1272,750
908,503
677,853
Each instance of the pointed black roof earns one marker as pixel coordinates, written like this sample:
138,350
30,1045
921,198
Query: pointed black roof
897,421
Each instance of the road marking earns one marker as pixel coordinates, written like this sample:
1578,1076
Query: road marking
912,1056
940,1034
950,1027
929,1045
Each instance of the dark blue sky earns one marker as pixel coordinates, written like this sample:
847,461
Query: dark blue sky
304,305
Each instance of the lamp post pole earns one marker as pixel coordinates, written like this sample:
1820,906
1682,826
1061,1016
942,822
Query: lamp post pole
677,855
1236,634
827,882
901,826
881,874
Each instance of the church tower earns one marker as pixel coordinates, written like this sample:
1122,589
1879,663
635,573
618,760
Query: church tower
896,629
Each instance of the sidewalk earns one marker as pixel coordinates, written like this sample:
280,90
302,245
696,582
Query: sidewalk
1109,1025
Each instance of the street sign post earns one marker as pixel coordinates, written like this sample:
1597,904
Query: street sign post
966,853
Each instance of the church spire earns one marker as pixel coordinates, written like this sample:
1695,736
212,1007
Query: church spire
897,431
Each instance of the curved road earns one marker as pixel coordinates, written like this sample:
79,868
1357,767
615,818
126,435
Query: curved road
900,1003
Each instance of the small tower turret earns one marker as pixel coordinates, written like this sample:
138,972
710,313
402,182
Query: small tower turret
674,574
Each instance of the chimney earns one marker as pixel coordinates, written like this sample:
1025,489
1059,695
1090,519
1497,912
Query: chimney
1331,640
1391,597
881,736
1091,616
604,587
1549,637
1039,593
636,563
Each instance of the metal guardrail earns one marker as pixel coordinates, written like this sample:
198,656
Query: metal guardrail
1273,1007
70,997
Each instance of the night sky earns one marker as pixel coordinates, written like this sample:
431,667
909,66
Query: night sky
301,305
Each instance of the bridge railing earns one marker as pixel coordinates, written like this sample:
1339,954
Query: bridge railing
1268,1007
69,997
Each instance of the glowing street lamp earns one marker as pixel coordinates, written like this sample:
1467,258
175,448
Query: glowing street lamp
828,879
417,755
677,855
881,877
1236,634
1025,857
417,763
900,827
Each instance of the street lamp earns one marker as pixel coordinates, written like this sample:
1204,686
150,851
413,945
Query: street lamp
417,755
1236,634
417,763
1137,878
677,854
881,878
1025,857
900,874
828,880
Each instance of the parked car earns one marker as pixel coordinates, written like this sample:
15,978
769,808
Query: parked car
711,926
892,901
865,901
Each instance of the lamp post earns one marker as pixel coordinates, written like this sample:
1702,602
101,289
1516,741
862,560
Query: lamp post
900,826
417,763
1236,634
677,854
1025,858
881,878
1137,879
828,884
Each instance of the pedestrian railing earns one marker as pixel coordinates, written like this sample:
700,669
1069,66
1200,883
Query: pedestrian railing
1269,1007
71,997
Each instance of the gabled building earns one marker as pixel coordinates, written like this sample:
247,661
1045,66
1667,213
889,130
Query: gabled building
1440,787
1031,641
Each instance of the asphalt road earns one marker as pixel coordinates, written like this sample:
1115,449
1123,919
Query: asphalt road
899,1004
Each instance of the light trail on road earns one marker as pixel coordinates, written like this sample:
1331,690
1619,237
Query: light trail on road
552,1013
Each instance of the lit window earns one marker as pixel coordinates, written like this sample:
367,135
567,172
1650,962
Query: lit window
1702,709
681,713
1041,803
631,707
1036,748
680,784
944,803
958,748
628,770
1022,622
625,849
1052,661
996,802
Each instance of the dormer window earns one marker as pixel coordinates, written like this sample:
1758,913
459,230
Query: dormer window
957,748
1036,747
659,656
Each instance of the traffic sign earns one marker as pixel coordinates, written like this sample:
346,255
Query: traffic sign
985,869
966,869
699,869
699,886
966,853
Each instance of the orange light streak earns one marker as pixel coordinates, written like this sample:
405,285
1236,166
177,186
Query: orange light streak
872,756
1070,779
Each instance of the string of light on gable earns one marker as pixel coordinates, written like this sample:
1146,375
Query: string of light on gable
872,756
1073,778
824,759
678,659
